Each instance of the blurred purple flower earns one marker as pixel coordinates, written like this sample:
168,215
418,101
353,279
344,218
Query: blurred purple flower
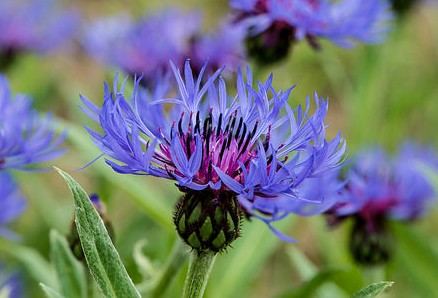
251,145
396,188
378,189
224,46
25,137
145,45
277,23
34,25
12,204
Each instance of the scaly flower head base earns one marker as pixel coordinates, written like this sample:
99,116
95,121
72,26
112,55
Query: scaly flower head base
251,148
208,220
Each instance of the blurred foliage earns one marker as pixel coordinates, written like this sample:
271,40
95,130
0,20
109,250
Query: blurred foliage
378,94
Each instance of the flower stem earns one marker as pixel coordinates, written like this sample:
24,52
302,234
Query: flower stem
373,274
175,261
198,274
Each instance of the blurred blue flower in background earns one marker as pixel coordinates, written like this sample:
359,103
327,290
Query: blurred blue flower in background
274,24
396,188
12,204
35,25
146,45
380,188
251,145
222,46
26,138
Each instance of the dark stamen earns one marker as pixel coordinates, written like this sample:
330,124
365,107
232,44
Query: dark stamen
242,138
230,137
221,154
171,130
245,146
219,125
188,141
197,122
207,145
206,123
180,126
239,126
210,169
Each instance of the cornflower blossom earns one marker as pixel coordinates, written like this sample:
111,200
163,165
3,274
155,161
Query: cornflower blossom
34,25
12,204
222,46
145,45
26,138
380,189
229,154
275,24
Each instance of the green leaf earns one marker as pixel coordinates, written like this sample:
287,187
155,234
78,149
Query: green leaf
35,264
373,290
102,258
415,258
70,272
50,293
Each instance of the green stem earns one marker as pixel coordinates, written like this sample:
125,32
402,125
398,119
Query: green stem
198,274
174,262
373,274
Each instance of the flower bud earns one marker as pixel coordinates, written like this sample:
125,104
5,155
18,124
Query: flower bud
370,246
272,45
206,220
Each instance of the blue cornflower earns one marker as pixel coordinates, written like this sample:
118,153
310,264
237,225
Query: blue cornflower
145,45
396,188
222,46
380,188
244,152
274,24
34,25
25,137
12,203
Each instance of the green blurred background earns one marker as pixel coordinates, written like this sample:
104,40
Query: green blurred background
380,94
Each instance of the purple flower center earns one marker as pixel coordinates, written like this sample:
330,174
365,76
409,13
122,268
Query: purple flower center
374,210
225,148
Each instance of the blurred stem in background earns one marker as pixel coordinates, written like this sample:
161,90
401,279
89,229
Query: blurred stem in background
161,281
373,274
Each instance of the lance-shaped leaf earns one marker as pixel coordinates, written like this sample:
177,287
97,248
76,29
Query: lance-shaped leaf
373,290
102,258
71,275
50,292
